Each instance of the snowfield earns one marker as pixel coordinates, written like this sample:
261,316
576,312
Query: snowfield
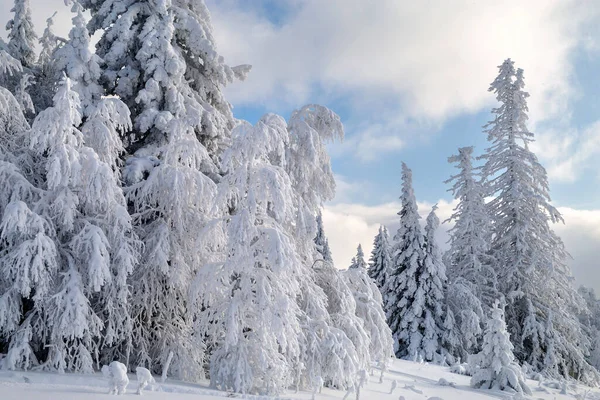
413,381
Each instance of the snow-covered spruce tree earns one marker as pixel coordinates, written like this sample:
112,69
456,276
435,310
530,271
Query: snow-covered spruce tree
103,119
28,256
529,258
495,366
358,261
469,237
413,294
246,302
106,119
471,277
131,66
86,310
160,59
380,261
401,286
369,309
330,346
46,76
321,240
341,307
21,34
21,43
431,284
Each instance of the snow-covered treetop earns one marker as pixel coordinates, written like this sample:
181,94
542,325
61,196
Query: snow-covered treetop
358,261
161,60
79,63
48,42
309,165
409,214
21,35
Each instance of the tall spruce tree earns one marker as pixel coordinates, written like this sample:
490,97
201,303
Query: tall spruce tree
380,261
160,59
471,277
21,34
529,258
414,289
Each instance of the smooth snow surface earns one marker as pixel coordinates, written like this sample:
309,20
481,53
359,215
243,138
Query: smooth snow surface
413,381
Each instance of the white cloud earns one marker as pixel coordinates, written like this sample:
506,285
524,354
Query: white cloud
347,225
430,61
570,152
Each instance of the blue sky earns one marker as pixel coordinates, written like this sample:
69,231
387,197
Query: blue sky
409,80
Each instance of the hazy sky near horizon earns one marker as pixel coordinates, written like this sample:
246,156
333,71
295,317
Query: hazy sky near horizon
409,80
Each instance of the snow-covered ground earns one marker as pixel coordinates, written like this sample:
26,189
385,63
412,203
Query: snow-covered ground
413,381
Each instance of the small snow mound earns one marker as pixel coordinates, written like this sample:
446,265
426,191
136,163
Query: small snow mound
444,382
116,373
144,378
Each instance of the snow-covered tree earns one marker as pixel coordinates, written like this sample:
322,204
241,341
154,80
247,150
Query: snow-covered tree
495,366
329,344
21,34
28,256
529,258
358,261
321,240
79,63
46,76
380,261
431,285
88,309
469,237
144,44
246,302
401,286
471,277
106,119
413,294
160,59
369,308
267,281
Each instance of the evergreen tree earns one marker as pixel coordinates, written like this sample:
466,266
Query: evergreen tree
321,241
369,308
431,282
144,45
78,244
28,255
46,76
469,237
160,59
471,277
246,301
380,261
414,290
495,366
358,261
21,34
529,257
